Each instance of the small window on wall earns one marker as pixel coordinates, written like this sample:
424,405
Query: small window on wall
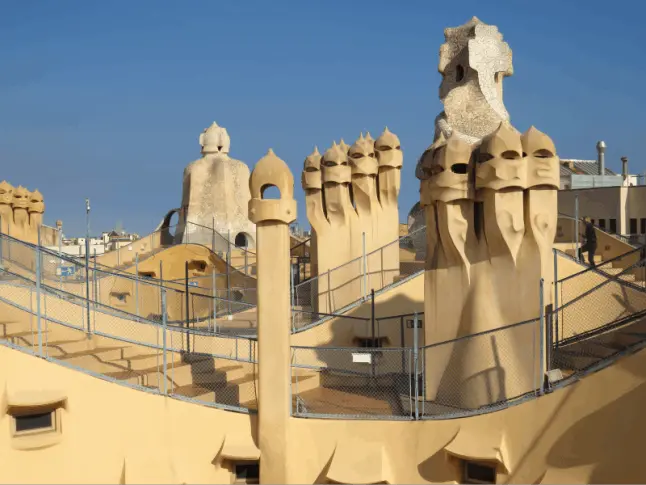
474,472
642,226
613,226
602,224
247,472
35,427
633,226
369,343
37,422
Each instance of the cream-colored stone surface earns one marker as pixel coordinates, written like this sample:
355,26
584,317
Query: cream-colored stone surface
21,215
491,195
588,432
491,209
474,60
272,218
352,201
215,188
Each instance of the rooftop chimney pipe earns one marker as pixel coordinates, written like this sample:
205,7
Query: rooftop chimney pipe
624,167
601,150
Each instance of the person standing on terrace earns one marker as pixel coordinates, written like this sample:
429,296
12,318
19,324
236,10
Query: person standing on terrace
590,242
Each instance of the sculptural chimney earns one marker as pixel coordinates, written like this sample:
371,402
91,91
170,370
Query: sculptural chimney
215,195
272,217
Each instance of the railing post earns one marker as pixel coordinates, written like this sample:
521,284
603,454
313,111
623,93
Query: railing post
164,326
60,256
137,284
416,364
95,291
188,336
246,260
229,270
38,278
329,292
556,288
215,309
213,234
541,340
372,317
161,285
1,244
549,337
365,268
291,290
402,342
576,227
87,285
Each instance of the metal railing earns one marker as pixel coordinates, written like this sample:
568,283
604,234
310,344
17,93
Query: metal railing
227,291
476,373
156,356
339,289
189,359
473,374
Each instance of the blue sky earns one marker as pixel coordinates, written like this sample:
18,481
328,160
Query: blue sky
106,99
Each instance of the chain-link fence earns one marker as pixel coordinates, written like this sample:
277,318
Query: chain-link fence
600,315
482,371
574,356
338,289
217,298
352,382
627,268
591,299
468,375
186,359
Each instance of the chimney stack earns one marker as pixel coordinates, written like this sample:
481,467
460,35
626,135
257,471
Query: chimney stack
624,167
601,150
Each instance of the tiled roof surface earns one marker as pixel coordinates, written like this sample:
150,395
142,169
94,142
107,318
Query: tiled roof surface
582,167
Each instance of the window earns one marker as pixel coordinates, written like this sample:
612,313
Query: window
613,226
479,472
602,224
240,240
642,226
633,226
197,265
248,472
36,422
368,343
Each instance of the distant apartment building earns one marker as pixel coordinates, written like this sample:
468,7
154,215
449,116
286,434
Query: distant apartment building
614,202
108,241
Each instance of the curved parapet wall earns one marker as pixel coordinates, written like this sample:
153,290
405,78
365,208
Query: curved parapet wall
576,417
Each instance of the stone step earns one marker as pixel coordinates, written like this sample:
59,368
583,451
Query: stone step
217,371
146,360
611,271
12,326
181,374
96,360
60,348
